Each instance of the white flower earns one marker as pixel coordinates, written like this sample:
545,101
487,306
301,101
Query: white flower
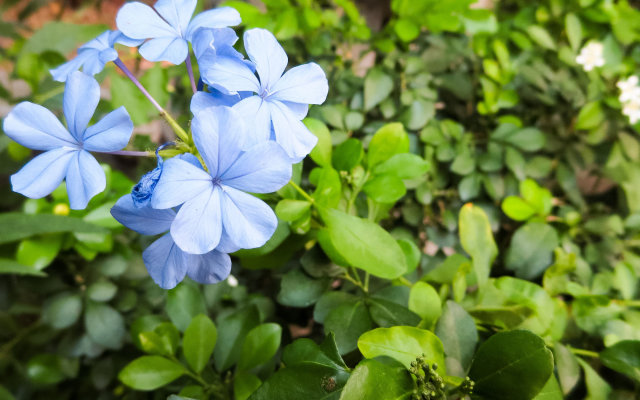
591,56
232,281
632,110
629,89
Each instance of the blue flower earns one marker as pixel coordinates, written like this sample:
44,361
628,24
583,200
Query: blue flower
169,26
215,42
216,212
166,263
92,56
67,150
281,101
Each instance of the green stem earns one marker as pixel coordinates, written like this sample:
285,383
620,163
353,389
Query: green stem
366,282
583,352
301,191
177,129
628,303
404,281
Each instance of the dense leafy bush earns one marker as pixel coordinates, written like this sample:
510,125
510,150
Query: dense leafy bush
466,225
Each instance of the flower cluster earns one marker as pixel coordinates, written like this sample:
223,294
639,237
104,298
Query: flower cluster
591,56
246,133
630,98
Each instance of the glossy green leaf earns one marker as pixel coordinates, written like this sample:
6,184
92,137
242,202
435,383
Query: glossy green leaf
402,343
388,141
104,325
477,240
347,322
297,289
365,244
150,372
183,303
377,86
321,153
372,379
511,365
199,341
623,357
232,330
457,330
531,249
63,310
16,226
425,301
261,343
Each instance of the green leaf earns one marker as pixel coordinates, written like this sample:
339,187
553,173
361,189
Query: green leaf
104,325
307,351
261,343
591,116
541,36
232,330
386,188
597,388
531,250
329,188
477,240
377,87
550,391
573,27
567,367
8,266
330,301
297,289
372,379
364,244
244,384
199,341
623,357
517,209
61,37
457,330
150,372
347,322
347,155
183,303
388,313
102,291
49,369
16,226
291,210
512,365
403,343
304,381
406,29
425,301
404,166
388,141
62,310
38,253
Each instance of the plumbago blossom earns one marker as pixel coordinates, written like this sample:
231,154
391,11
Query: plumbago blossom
246,133
67,150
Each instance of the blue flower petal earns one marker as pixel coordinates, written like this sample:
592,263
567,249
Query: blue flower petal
265,51
248,221
176,12
209,268
290,133
85,179
166,263
116,36
255,173
203,100
219,135
302,84
227,74
139,21
256,112
219,18
198,224
299,110
218,42
35,127
111,133
62,72
145,220
143,190
179,182
43,174
171,48
226,245
81,96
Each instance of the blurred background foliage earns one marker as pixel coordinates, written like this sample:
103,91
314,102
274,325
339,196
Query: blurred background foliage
484,102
